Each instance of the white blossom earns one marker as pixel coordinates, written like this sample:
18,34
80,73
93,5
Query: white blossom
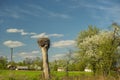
90,43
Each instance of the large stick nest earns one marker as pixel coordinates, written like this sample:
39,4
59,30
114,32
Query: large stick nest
44,42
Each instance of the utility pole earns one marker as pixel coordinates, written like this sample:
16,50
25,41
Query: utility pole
11,54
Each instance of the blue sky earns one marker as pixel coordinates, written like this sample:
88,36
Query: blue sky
22,22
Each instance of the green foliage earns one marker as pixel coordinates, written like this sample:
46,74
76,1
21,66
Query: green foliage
91,31
99,49
80,66
3,62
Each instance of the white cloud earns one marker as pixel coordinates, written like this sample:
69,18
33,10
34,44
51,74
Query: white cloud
107,9
32,34
35,52
14,30
63,43
39,35
55,35
48,12
21,31
46,35
24,33
10,12
31,54
53,14
13,44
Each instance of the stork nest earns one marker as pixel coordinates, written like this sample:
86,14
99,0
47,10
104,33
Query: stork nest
44,42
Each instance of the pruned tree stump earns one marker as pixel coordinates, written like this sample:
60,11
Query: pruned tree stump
44,44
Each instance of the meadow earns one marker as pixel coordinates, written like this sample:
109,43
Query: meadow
37,75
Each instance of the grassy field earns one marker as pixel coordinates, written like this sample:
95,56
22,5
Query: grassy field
19,75
37,75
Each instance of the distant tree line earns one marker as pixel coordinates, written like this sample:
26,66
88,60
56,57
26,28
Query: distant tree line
31,63
3,62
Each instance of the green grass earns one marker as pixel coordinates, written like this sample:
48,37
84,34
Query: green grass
19,75
37,75
71,73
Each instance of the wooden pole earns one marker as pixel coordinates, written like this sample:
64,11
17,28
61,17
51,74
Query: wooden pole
46,70
44,44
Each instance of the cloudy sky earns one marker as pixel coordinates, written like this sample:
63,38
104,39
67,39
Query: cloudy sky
22,22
